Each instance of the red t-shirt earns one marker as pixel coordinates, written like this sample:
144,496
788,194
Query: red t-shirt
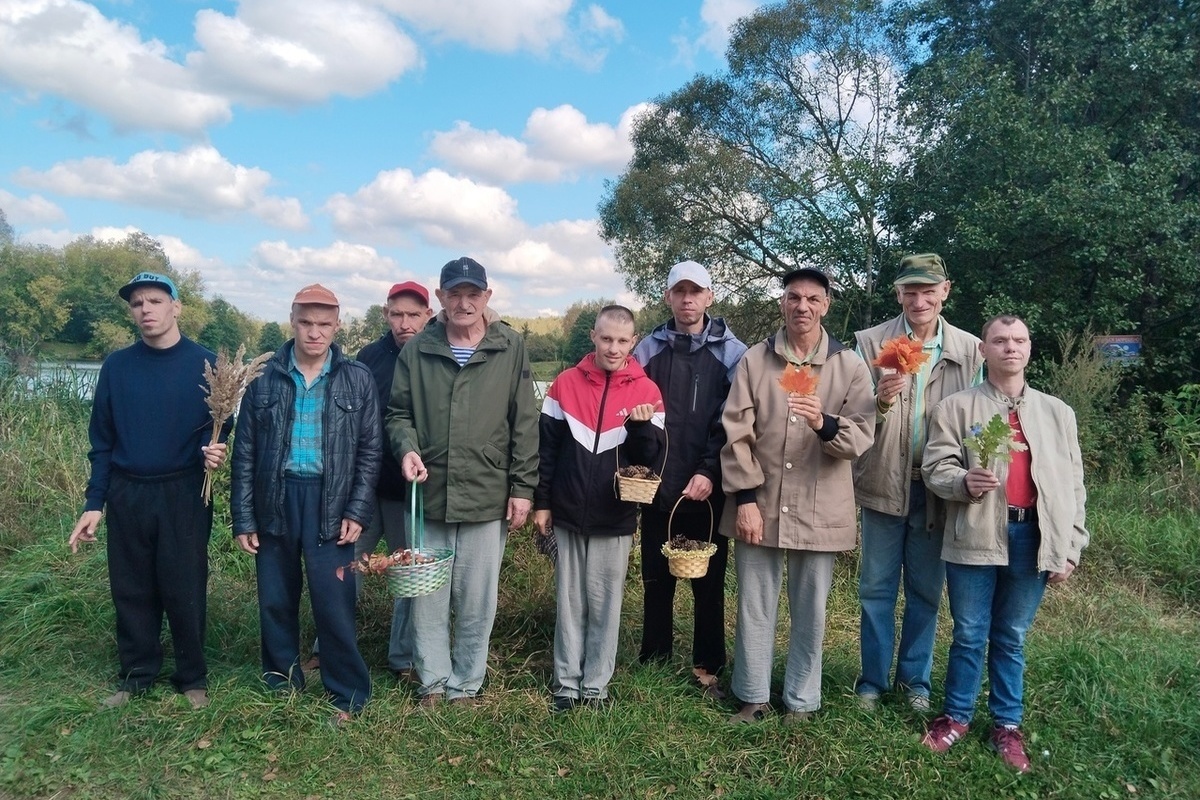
1019,486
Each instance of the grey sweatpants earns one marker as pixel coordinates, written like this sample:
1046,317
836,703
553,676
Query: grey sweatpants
458,668
590,582
760,576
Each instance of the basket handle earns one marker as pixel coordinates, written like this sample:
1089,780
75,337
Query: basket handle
666,450
671,518
416,507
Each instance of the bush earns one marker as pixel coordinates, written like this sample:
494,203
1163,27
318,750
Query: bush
1116,432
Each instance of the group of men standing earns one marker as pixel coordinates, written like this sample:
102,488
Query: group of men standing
326,445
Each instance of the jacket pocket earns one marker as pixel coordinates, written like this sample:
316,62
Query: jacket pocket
348,404
496,458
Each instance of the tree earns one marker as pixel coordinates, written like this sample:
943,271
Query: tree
271,337
1058,170
782,161
227,327
32,308
6,230
579,340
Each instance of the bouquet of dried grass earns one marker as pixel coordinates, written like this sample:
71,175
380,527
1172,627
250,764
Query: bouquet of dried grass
226,383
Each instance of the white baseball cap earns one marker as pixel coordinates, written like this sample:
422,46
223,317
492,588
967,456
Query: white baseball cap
688,271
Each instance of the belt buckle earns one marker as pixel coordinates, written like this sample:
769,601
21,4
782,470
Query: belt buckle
1018,514
915,474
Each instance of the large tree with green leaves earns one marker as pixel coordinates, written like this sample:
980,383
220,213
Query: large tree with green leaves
782,161
1058,166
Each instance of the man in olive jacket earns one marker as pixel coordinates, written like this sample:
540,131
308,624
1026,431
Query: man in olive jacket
305,463
463,421
786,470
1014,522
901,523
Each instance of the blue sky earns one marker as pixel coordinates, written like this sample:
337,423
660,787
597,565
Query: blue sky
273,143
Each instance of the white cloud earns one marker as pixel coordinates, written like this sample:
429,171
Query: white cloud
197,182
556,144
283,52
502,27
31,210
717,18
69,49
444,210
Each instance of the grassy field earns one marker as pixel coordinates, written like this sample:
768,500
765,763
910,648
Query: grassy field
1113,683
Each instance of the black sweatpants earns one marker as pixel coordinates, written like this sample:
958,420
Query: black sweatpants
158,531
658,600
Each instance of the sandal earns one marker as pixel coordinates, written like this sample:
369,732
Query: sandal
751,713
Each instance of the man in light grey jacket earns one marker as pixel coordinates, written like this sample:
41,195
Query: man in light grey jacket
901,524
1014,521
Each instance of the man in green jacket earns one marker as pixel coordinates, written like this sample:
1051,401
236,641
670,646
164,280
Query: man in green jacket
463,421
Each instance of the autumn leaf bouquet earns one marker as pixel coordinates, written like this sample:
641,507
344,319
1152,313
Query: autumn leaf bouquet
799,380
904,355
993,442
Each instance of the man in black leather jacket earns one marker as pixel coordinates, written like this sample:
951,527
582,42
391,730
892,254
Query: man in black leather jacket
305,463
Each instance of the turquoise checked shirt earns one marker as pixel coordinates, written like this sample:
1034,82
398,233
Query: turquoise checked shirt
305,453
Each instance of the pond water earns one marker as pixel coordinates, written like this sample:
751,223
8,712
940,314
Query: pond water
78,376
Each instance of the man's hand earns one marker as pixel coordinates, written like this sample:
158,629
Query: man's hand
214,455
980,481
518,512
890,386
248,542
351,530
807,406
698,488
413,469
643,412
749,527
85,529
1061,577
542,520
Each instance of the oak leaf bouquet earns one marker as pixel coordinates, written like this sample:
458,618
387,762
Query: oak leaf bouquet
902,354
223,387
994,442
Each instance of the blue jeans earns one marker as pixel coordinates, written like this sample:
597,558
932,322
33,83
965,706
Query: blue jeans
890,545
992,608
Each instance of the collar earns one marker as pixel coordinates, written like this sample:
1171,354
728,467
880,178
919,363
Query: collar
933,343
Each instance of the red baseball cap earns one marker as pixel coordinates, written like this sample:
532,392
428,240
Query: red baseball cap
411,287
315,295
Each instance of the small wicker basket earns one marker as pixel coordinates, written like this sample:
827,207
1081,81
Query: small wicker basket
414,580
639,490
689,563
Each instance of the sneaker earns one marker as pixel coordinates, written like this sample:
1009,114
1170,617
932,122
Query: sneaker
197,697
340,719
561,705
751,713
708,684
943,733
465,701
1010,744
919,703
868,701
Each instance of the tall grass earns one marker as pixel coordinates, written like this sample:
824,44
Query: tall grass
1113,684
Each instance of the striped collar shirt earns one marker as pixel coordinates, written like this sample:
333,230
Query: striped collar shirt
934,349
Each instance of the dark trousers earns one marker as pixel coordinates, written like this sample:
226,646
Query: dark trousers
658,600
280,582
157,544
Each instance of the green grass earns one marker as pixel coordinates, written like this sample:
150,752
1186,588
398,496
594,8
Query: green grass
1112,689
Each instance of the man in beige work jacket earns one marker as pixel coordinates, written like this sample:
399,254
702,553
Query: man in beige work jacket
786,468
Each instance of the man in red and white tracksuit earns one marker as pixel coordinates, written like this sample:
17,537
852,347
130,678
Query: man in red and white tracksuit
600,414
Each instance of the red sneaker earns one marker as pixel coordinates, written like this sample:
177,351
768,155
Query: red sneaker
1010,744
943,733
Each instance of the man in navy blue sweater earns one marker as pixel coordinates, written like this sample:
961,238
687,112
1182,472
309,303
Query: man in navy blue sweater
149,433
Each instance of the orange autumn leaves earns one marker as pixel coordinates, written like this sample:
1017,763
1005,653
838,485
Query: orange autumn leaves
799,380
902,354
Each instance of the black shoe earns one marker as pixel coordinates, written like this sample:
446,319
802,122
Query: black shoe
561,705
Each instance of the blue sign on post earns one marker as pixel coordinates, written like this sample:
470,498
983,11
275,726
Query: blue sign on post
1120,349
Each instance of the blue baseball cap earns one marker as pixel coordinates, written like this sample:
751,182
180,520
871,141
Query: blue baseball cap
149,279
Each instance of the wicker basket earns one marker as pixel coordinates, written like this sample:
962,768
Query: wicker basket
414,580
689,563
639,490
